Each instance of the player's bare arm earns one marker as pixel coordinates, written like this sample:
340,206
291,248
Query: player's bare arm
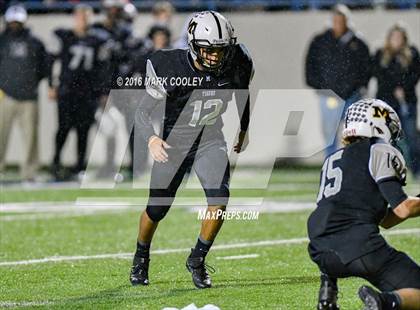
409,208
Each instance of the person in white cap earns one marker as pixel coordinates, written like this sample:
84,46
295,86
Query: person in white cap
23,64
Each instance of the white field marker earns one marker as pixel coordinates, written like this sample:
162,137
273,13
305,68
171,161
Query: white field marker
233,257
407,231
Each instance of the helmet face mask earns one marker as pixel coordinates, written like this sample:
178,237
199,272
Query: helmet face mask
212,57
210,40
395,130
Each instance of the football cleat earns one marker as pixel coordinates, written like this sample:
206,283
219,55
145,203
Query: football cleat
327,299
198,269
139,274
370,298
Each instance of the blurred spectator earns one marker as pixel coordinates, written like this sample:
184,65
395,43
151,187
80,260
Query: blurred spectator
23,63
129,13
118,32
160,37
182,41
83,56
337,60
162,13
397,69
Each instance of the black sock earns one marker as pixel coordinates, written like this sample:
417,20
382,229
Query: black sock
143,250
390,301
330,280
201,248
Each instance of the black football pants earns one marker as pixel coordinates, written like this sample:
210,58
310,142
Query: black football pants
385,268
74,113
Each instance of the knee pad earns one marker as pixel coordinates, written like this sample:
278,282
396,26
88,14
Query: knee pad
160,200
156,212
217,197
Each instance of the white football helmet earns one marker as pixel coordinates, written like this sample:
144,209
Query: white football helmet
372,118
210,33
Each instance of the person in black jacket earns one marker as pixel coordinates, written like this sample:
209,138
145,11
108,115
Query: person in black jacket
338,60
23,64
397,69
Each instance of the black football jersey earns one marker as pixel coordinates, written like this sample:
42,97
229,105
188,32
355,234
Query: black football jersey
197,99
350,205
120,43
82,62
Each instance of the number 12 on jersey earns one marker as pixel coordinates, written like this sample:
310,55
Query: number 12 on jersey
331,173
208,119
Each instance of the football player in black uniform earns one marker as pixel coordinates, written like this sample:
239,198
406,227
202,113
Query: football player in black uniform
117,27
83,57
191,134
358,183
119,36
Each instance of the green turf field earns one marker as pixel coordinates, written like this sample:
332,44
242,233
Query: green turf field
88,255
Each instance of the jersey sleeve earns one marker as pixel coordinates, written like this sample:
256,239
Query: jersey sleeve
59,39
142,118
393,193
55,47
153,86
247,65
386,163
248,71
155,95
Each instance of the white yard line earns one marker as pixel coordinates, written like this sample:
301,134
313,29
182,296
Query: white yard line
59,207
86,207
121,203
233,257
13,304
408,231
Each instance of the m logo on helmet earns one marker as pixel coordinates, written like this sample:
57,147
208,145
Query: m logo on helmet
380,112
191,27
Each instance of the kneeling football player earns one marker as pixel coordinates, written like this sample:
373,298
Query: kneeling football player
191,135
358,183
